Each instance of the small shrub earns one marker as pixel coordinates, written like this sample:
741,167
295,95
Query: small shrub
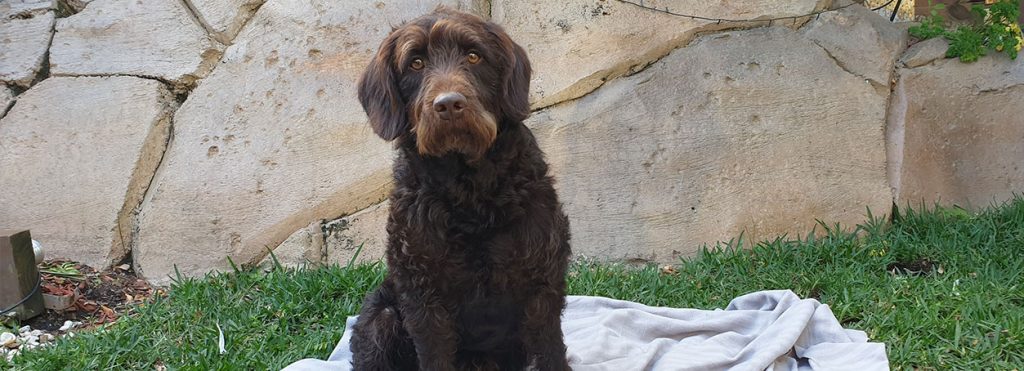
998,30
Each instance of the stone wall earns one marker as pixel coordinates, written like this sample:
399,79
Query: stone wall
187,134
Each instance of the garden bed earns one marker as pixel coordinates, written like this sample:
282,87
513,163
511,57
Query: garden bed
88,298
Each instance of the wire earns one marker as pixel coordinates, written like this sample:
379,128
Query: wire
668,11
882,6
39,280
895,10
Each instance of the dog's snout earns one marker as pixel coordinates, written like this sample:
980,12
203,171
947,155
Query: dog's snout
449,104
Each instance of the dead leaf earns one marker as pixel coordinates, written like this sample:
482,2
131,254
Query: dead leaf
86,305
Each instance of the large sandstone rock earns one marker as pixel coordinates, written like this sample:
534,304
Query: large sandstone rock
580,44
224,18
361,236
152,38
26,27
272,140
757,131
861,42
74,171
925,52
302,248
957,132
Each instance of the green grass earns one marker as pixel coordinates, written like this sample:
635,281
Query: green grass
967,312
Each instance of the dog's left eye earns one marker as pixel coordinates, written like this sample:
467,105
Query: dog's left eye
473,58
416,64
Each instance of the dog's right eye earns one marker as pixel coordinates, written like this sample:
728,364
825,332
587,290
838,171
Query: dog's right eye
416,64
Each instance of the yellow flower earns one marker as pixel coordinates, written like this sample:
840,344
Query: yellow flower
999,47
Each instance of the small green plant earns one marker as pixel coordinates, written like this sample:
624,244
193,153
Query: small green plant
932,25
65,269
997,30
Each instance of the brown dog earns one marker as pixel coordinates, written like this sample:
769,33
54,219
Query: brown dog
477,241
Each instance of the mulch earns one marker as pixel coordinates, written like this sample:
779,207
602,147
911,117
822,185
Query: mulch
99,297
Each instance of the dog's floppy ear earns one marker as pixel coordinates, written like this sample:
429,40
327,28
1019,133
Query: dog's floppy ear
516,87
379,95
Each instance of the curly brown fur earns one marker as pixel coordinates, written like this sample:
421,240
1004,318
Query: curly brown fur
477,241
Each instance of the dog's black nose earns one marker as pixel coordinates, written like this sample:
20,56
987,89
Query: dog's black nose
448,105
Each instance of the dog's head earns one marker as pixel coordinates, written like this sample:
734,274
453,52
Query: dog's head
447,80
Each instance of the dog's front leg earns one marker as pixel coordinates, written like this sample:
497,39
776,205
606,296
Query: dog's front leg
543,337
431,327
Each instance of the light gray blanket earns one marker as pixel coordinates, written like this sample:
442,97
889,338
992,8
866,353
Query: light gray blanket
767,330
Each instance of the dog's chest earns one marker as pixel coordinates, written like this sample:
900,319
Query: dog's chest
488,323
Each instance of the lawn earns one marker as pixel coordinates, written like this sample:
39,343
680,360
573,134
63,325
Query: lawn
941,288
